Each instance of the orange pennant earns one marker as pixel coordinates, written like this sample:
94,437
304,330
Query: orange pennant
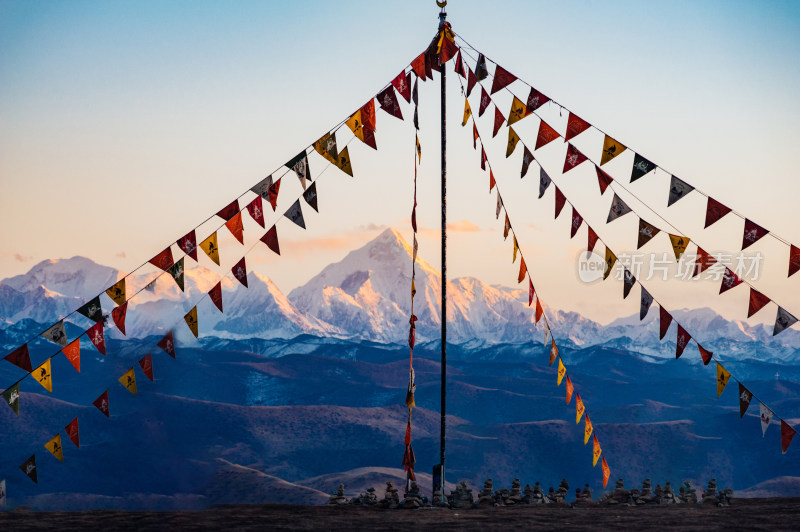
73,354
596,451
234,225
522,270
606,472
569,389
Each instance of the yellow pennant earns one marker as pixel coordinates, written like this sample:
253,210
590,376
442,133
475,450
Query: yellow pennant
611,259
562,370
43,376
518,111
516,247
553,351
723,376
117,292
679,244
326,146
467,112
611,148
344,162
355,125
128,380
54,446
419,151
506,228
209,245
596,451
579,409
413,288
587,431
513,138
191,320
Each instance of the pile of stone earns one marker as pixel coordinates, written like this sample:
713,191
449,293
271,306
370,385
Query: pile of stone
337,498
645,496
583,498
391,498
533,495
367,498
515,496
412,498
438,500
619,496
687,494
486,495
719,497
462,497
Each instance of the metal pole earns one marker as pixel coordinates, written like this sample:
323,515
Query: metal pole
443,73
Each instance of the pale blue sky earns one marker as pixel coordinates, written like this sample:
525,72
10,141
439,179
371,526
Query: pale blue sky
123,125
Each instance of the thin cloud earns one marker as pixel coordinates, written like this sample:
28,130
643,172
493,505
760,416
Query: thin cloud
463,226
121,255
22,258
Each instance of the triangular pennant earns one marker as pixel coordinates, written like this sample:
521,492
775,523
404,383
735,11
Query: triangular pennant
573,158
472,79
729,280
606,472
575,126
419,149
752,233
592,240
577,220
611,259
215,294
492,182
117,292
766,418
300,163
523,270
295,214
388,102
236,228
641,166
603,179
723,376
273,194
757,302
459,66
92,310
483,158
499,206
703,261
29,468
561,200
163,260
539,310
188,244
56,334
502,79
665,321
365,135
402,84
513,139
518,111
546,135
326,146
128,380
146,363
527,158
553,351
679,244
618,208
570,389
118,315
506,227
73,354
73,433
240,272
44,376
783,321
485,101
177,273
611,148
682,341
531,292
270,238
418,66
546,331
102,404
677,190
256,210
794,260
97,337
562,370
262,187
745,396
11,397
191,320
474,136
587,429
481,72
54,446
628,281
499,119
167,344
21,358
310,195
714,211
535,100
579,408
229,211
596,450
787,433
647,300
209,245
467,112
544,182
646,233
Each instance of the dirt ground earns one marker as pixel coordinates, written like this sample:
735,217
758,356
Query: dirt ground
749,514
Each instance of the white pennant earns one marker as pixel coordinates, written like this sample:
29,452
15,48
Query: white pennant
766,418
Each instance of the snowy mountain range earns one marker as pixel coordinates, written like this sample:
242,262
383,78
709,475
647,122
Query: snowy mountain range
365,296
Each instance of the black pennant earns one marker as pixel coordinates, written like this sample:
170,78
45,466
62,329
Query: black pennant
310,195
92,310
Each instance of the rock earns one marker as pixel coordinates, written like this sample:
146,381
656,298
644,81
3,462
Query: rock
412,498
461,497
536,495
337,498
368,498
619,496
710,494
391,498
486,495
515,496
687,494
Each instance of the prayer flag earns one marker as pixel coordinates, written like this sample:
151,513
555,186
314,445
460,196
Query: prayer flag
402,83
535,100
745,396
167,343
628,281
575,126
188,244
209,245
723,376
229,211
498,121
388,101
234,225
73,354
606,472
326,146
11,397
21,358
128,380
577,220
544,181
310,195
97,337
787,433
43,376
300,163
215,294
513,139
579,408
502,79
118,315
618,208
546,135
256,210
665,321
146,363
752,233
467,112
471,81
703,261
101,403
518,111
485,101
553,352
611,148
587,430
295,214
117,292
569,389
163,260
611,259
573,158
757,302
527,158
54,446
646,233
783,321
191,320
679,244
176,271
562,370
714,211
794,259
29,468
262,187
729,280
641,166
561,199
677,190
766,418
647,300
603,179
592,241
240,272
270,238
596,450
92,310
682,341
344,162
73,433
481,72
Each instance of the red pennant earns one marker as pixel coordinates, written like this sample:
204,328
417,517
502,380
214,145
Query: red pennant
407,439
429,65
523,270
575,126
236,228
230,211
498,121
163,260
216,295
682,341
388,102
367,117
256,210
449,50
535,100
714,211
276,186
270,238
502,79
485,101
474,136
146,363
240,272
188,244
418,66
560,201
729,280
73,433
118,315
73,354
98,339
577,220
603,179
483,158
539,310
666,320
21,358
752,233
592,240
705,355
703,261
531,292
414,217
402,86
546,135
574,158
757,302
102,403
460,66
794,259
471,81
492,182
787,433
167,343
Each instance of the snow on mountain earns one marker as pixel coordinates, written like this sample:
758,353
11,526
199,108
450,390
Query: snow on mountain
76,277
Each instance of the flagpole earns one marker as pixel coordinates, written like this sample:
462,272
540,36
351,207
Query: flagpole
443,413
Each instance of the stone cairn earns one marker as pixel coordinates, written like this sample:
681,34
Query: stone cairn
461,497
368,498
645,496
515,496
560,495
391,498
337,498
619,496
583,497
486,495
438,499
687,494
712,496
412,498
